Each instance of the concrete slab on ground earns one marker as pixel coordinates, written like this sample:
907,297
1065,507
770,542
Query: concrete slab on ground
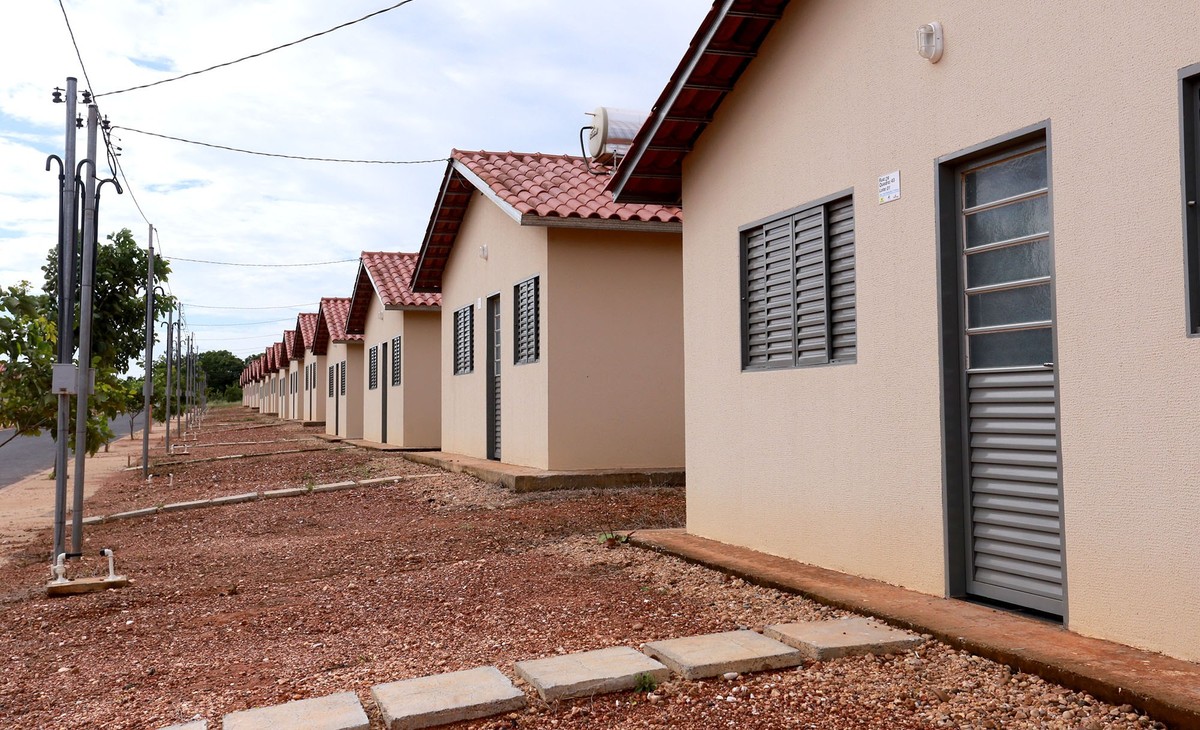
341,711
328,437
842,637
711,655
444,698
134,513
376,446
1167,688
528,479
615,669
235,498
85,585
185,506
193,725
313,423
334,486
288,492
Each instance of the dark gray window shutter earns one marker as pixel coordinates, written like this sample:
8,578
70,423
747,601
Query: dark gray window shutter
331,369
396,360
798,288
525,319
343,383
373,368
464,340
843,312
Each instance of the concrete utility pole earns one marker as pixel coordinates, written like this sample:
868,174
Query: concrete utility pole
148,382
66,321
167,384
178,376
84,382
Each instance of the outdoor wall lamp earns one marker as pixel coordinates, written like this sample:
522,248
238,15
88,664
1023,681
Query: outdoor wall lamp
929,41
483,252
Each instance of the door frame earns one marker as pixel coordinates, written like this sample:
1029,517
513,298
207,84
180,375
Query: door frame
956,507
492,369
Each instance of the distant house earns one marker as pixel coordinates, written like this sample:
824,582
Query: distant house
402,340
343,355
290,370
312,368
562,339
943,311
271,398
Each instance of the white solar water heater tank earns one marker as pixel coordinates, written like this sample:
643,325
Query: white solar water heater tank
613,131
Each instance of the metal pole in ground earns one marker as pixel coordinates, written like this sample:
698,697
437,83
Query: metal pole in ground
167,384
148,383
66,321
178,375
84,383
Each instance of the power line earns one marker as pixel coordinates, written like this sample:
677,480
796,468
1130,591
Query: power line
255,55
281,306
265,266
78,55
286,157
241,324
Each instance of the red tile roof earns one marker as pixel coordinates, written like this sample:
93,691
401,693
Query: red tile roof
331,324
725,44
388,274
306,327
534,189
289,345
279,357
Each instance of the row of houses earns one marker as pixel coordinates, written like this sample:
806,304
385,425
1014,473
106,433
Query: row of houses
939,307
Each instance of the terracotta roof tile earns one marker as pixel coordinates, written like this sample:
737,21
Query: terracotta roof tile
557,186
306,328
332,319
289,344
389,274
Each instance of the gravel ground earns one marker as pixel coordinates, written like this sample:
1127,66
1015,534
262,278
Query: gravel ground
260,603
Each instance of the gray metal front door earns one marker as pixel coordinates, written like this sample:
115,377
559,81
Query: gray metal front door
1014,530
493,377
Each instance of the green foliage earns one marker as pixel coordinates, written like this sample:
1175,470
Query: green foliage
223,369
645,683
29,336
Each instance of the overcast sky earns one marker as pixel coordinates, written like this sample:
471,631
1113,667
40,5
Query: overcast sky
409,84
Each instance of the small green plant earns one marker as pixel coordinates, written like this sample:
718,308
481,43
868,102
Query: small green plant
611,539
309,483
645,683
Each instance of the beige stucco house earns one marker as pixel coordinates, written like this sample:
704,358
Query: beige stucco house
291,375
402,345
569,300
273,400
942,316
343,376
312,370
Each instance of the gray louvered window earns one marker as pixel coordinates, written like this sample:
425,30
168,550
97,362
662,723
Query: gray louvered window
373,368
1190,96
331,377
464,340
396,361
798,288
343,383
525,321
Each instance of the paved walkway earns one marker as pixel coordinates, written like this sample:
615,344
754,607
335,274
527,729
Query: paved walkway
528,479
1166,688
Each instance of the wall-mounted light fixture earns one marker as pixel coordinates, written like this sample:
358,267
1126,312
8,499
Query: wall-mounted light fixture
929,41
483,252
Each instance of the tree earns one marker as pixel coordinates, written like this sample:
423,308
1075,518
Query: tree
29,336
223,369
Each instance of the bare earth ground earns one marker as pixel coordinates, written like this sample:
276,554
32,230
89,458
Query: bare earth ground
260,603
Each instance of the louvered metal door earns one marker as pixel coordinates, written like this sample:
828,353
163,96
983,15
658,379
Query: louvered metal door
493,377
1014,530
383,387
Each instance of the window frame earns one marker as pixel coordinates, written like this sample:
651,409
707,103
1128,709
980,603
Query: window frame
1189,170
744,285
397,341
373,367
527,342
464,340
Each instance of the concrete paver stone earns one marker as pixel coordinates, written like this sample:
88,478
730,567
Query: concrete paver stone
341,711
444,698
134,513
710,655
591,672
193,725
334,486
824,640
184,506
235,498
287,492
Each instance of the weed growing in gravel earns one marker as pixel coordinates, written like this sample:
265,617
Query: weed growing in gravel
645,683
611,539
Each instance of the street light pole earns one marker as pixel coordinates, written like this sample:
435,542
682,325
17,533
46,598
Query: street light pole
147,383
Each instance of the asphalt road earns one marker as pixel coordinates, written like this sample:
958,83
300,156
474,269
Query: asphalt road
27,455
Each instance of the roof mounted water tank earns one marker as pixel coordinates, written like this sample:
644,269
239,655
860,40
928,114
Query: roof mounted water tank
612,132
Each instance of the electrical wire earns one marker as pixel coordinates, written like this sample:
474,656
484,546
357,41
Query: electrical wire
283,156
281,306
242,324
255,55
78,55
265,266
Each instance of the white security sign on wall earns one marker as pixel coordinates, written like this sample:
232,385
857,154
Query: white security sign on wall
889,187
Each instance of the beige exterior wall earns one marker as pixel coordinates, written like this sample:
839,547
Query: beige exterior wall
616,387
413,409
841,466
314,398
272,399
515,253
295,406
344,412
